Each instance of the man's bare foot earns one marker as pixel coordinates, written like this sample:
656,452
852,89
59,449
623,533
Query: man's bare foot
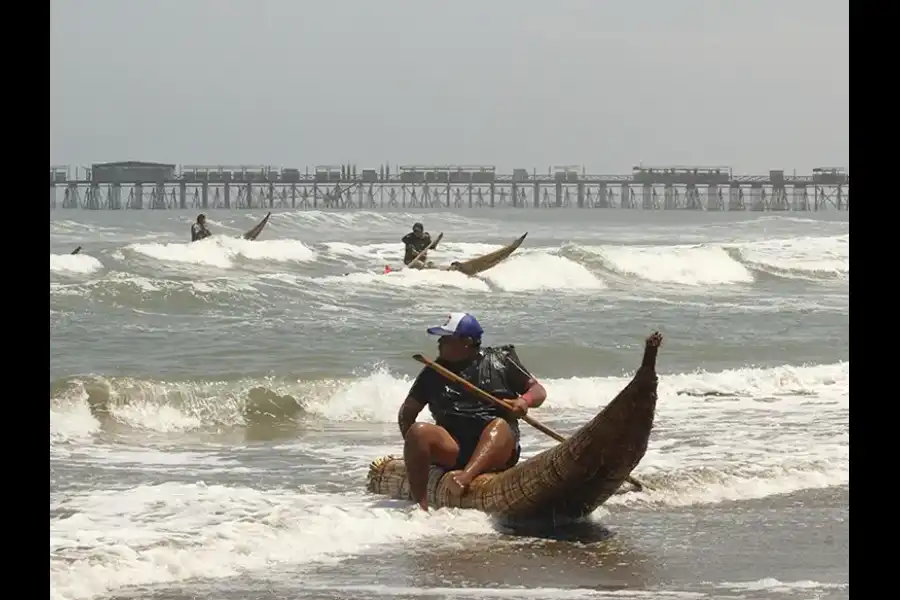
458,482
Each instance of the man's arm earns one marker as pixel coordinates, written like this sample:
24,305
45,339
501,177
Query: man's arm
416,400
523,383
409,410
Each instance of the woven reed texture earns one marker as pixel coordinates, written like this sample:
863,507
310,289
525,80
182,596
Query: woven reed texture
567,481
253,233
480,264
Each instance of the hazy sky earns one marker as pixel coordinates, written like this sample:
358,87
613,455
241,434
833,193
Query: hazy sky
751,84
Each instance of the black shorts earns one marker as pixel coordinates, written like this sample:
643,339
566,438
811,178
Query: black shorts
467,436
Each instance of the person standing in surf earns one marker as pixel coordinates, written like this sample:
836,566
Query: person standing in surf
415,242
199,230
469,436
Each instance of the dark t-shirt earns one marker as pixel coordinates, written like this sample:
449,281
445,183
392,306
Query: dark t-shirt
452,405
414,245
199,232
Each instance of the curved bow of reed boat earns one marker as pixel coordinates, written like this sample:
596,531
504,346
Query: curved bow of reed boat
480,264
254,232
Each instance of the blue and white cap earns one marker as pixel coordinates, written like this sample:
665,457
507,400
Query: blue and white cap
459,324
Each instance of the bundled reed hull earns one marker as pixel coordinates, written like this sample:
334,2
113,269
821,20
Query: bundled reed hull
568,481
480,264
253,233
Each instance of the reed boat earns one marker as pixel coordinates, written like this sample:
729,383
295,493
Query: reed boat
254,232
563,483
480,264
473,266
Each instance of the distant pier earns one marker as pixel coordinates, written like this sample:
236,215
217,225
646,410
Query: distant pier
139,185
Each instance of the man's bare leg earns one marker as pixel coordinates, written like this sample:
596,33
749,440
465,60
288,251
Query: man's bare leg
495,447
425,444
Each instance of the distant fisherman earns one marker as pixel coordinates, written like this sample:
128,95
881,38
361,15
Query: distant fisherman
199,230
416,241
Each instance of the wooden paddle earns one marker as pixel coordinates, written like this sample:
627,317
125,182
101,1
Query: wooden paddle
425,251
503,404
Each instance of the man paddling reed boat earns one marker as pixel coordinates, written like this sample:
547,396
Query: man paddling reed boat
469,437
199,231
417,239
416,244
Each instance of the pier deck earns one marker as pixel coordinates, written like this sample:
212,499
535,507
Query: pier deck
139,185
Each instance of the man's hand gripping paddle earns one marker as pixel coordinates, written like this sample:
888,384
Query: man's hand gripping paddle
425,251
503,404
